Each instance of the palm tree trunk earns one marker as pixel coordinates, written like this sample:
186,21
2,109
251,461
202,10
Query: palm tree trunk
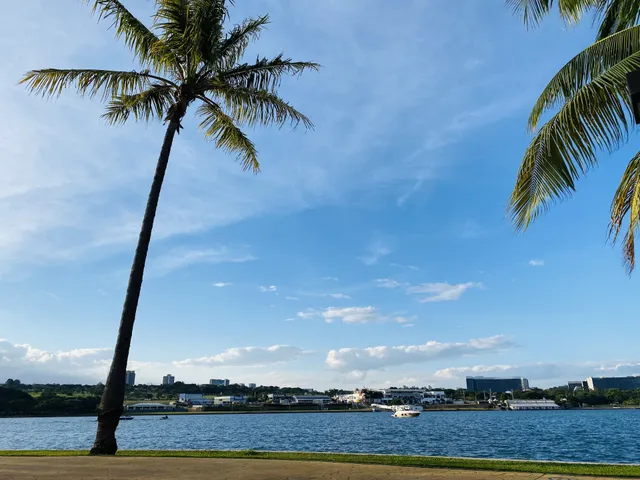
111,405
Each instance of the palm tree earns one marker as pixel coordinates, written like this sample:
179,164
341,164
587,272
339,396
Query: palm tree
186,58
613,15
593,112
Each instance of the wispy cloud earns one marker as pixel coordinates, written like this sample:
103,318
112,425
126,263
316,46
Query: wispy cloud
441,291
355,315
405,196
373,358
471,229
270,288
399,265
291,298
389,283
222,284
182,257
337,296
53,295
332,279
536,263
248,356
375,251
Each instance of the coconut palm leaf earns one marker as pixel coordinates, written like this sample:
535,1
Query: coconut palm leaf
220,127
626,204
253,106
51,82
265,74
616,15
238,39
154,102
581,69
534,11
596,117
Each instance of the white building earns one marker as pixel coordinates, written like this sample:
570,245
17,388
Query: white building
356,397
228,401
168,379
252,385
413,395
219,382
311,399
149,407
532,405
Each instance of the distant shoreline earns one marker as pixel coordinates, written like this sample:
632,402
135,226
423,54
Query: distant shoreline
457,408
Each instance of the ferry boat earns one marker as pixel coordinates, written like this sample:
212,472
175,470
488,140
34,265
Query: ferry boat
126,417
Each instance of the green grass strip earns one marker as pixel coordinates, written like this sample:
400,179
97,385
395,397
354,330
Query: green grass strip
592,469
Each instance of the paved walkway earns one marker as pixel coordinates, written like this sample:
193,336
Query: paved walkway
128,468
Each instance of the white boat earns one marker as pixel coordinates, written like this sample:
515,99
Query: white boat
406,413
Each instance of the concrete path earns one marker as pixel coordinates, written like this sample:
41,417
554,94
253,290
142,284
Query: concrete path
132,468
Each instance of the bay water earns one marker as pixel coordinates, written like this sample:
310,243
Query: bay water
611,436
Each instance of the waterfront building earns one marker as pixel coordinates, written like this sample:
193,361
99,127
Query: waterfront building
150,407
356,397
279,398
252,385
194,399
412,395
577,385
130,377
532,405
229,400
219,382
168,379
606,383
311,399
496,384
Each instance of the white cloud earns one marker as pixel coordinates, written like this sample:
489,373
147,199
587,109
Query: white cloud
338,296
405,196
375,251
332,279
270,288
472,230
291,298
359,315
222,284
180,257
536,263
399,265
374,358
409,325
389,283
441,291
31,364
248,356
292,319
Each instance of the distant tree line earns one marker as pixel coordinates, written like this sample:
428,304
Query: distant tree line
19,402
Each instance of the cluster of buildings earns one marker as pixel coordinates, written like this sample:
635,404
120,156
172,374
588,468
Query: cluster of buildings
168,379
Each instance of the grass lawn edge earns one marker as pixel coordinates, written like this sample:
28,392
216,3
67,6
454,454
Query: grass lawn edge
590,469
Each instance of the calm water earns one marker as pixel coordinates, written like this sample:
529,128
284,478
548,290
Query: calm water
594,436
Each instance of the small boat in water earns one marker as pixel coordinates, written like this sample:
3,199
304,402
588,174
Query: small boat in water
164,417
126,417
406,413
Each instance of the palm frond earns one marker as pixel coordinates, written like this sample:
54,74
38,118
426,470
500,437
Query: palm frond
205,29
148,48
237,40
596,117
227,135
249,106
616,15
151,103
172,20
51,82
581,69
534,11
265,74
626,203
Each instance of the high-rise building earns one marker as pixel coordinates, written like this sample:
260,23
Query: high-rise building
168,379
577,385
605,383
252,385
130,377
219,382
496,385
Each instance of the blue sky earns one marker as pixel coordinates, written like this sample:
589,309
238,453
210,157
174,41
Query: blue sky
371,251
